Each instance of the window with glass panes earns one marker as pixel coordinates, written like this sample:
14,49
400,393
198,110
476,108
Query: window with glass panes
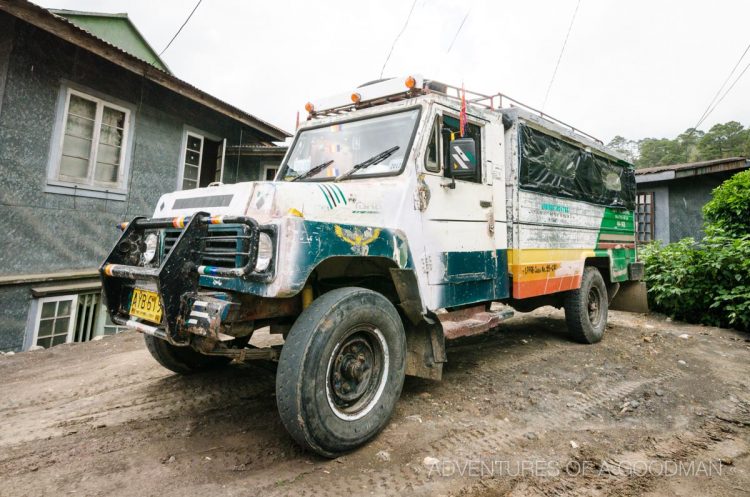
645,216
93,142
191,172
55,322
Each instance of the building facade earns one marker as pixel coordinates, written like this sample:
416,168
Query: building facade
92,135
671,198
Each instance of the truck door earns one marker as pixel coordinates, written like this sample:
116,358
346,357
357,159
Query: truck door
460,256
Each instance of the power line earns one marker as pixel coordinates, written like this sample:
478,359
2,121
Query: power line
183,25
397,37
739,76
562,51
458,30
709,107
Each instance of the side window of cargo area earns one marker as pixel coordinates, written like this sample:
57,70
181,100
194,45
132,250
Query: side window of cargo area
445,129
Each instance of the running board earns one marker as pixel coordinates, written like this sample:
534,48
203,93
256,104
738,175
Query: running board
472,321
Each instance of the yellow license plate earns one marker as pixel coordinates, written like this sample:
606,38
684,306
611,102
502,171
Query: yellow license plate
146,305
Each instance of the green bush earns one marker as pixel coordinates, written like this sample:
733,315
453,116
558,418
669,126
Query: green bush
706,282
729,209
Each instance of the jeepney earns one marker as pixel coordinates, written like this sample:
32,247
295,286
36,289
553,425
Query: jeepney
402,214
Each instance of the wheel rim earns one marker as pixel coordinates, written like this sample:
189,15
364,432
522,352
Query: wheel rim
594,304
357,372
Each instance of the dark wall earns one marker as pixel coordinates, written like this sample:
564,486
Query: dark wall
46,232
687,196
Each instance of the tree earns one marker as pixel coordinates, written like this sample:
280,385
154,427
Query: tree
626,147
729,208
723,140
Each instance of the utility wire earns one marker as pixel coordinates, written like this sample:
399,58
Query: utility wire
397,37
559,58
739,76
458,30
713,103
183,25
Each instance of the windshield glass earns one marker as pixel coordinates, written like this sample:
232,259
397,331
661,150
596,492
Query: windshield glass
348,144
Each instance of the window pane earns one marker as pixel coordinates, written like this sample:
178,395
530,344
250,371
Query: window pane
76,168
45,327
63,308
48,309
57,340
111,136
188,184
61,325
74,146
108,154
194,143
192,158
190,172
80,127
82,107
44,342
112,117
106,173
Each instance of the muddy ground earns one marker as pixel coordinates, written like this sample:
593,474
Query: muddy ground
521,411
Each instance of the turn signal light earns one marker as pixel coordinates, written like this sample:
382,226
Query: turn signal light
410,82
356,97
309,107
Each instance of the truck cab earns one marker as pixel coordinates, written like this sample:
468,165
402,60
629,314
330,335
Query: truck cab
402,216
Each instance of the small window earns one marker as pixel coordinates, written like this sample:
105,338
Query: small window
432,157
55,319
191,172
645,217
93,142
269,172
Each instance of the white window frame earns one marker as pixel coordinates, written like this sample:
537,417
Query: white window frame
72,320
266,167
90,182
202,138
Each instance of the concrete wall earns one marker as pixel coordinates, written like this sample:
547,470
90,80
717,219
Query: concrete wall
687,196
48,232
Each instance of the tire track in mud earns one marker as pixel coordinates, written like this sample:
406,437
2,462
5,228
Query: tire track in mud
481,440
146,397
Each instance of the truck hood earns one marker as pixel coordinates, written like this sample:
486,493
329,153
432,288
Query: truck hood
357,202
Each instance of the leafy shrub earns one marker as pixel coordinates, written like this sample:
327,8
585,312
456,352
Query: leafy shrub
706,282
729,209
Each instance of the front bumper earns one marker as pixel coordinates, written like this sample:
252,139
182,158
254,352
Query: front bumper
175,280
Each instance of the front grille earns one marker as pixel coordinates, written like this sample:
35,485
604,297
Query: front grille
225,246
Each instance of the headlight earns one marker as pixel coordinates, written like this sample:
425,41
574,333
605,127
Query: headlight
151,242
265,252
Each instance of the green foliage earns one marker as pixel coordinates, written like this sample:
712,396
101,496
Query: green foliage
706,282
729,209
721,141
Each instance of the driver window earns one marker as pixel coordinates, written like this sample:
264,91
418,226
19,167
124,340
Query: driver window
432,157
450,129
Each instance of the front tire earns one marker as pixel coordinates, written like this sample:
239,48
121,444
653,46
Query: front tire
341,370
183,360
586,309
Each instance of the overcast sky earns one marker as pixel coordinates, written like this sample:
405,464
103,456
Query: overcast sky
638,68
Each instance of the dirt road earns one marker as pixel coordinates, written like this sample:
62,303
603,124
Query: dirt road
657,408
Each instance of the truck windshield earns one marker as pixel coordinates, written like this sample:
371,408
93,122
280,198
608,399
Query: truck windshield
349,143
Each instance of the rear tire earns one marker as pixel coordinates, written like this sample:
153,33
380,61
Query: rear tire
586,309
341,370
183,360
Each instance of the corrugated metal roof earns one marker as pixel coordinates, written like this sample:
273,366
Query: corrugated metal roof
692,165
59,26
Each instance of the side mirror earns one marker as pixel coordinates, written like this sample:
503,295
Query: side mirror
463,158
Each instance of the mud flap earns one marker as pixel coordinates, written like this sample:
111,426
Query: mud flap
425,351
631,297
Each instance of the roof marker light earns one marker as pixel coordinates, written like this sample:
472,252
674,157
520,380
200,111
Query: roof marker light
410,82
356,97
309,107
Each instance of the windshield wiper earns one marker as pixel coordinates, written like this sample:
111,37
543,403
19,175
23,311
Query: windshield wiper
314,170
376,159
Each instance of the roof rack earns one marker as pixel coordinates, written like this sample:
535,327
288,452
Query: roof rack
495,102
